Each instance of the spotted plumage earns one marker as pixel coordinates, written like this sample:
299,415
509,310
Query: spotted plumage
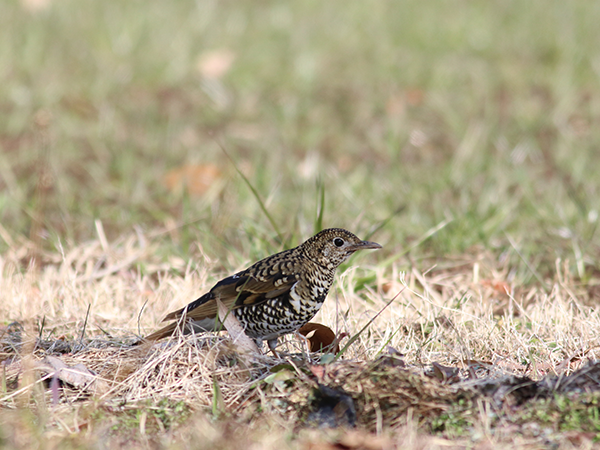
275,296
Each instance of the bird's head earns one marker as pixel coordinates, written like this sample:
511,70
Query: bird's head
331,247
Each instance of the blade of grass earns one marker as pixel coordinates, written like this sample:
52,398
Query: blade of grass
87,315
217,399
529,266
255,193
368,324
3,381
42,326
387,342
320,205
384,222
427,235
139,318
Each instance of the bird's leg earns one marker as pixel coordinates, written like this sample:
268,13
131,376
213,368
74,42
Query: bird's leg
272,343
306,346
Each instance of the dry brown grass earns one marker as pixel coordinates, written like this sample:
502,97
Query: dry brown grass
465,315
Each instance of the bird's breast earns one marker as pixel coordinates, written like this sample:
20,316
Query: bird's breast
310,290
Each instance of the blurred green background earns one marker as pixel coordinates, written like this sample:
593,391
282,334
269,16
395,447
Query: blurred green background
479,118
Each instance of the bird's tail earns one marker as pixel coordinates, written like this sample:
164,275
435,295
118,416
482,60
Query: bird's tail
185,326
164,332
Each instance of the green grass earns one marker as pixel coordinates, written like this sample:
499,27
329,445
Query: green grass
483,112
447,127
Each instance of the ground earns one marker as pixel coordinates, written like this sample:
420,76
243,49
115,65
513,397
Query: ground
149,149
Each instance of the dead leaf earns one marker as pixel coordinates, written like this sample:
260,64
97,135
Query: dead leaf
580,439
216,63
445,374
391,360
345,163
414,96
35,5
77,376
394,352
499,286
477,368
363,440
396,106
195,178
280,378
397,103
318,371
321,338
387,287
477,364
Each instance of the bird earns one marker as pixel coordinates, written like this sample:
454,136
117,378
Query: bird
274,296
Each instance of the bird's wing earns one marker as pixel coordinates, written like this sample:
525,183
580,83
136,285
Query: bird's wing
241,289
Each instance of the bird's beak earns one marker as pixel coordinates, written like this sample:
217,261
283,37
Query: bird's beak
365,245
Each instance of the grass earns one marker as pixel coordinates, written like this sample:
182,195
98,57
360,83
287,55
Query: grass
462,136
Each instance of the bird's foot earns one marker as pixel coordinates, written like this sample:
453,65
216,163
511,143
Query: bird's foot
305,347
272,343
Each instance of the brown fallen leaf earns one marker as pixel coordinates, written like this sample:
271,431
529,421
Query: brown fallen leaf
445,374
387,287
321,338
195,178
498,286
77,376
364,440
318,371
35,5
214,64
414,96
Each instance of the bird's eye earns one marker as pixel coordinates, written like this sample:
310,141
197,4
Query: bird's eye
338,242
